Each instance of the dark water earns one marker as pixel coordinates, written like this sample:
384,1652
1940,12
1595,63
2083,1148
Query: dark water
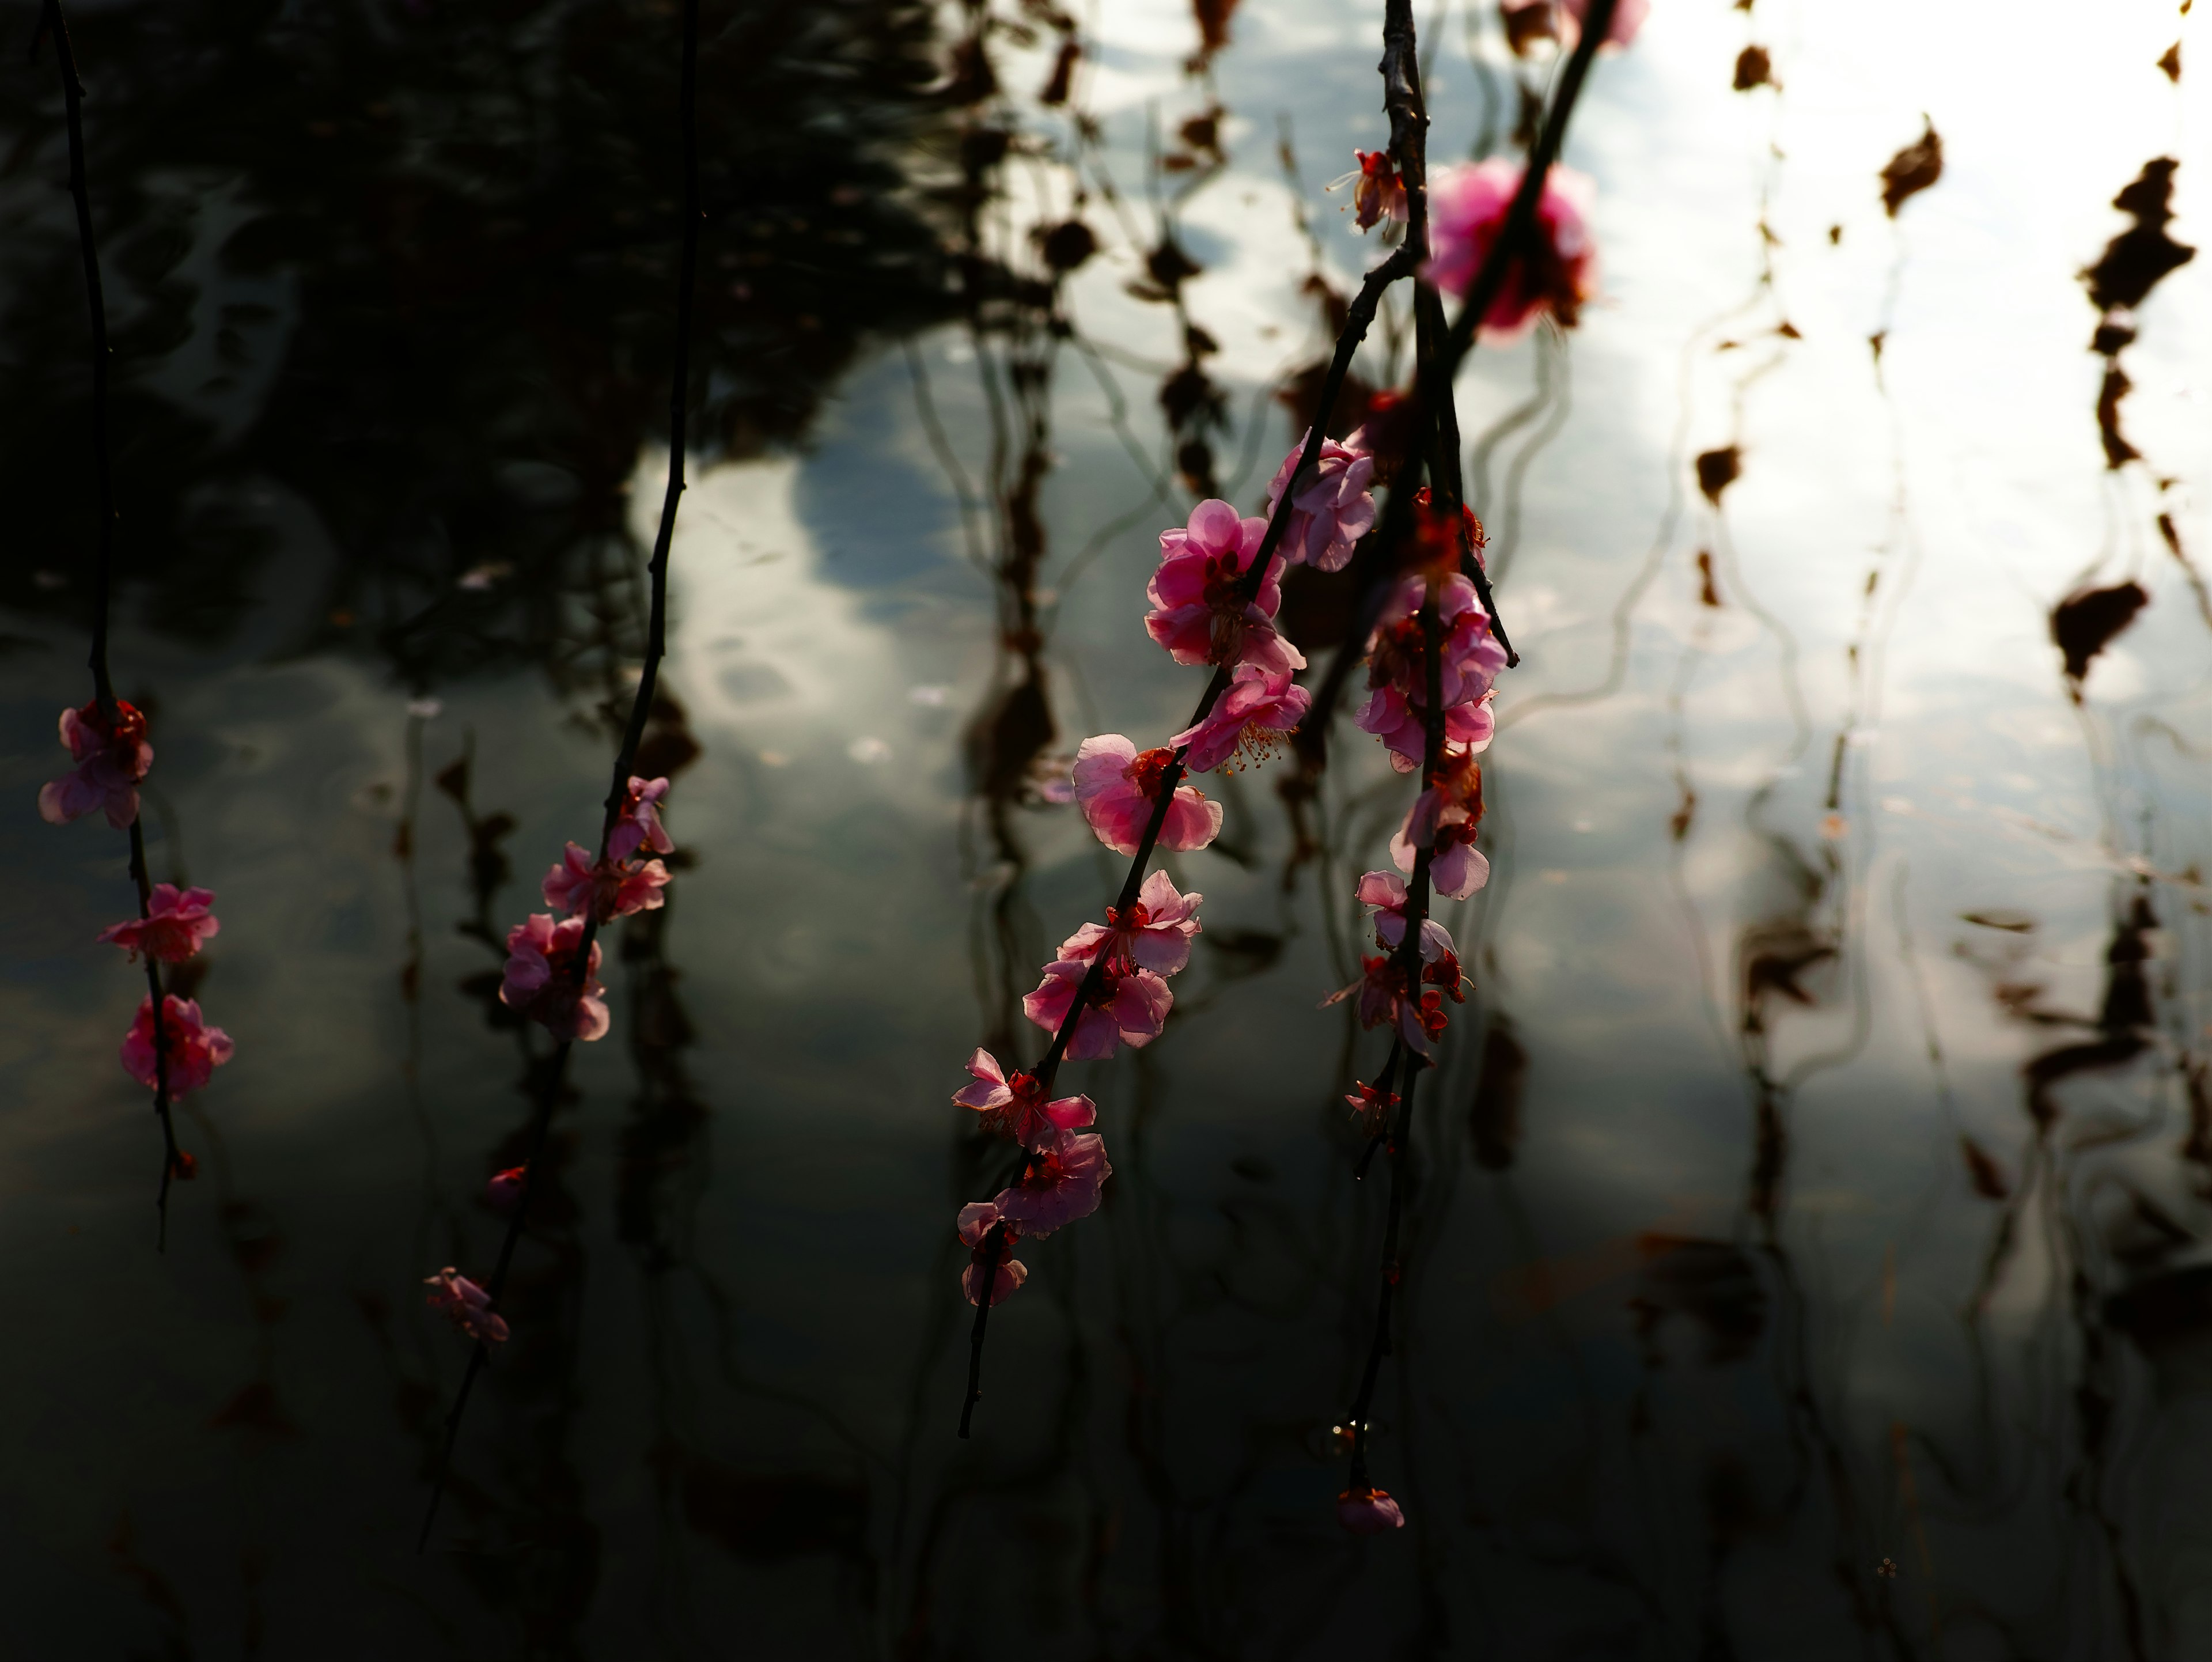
1808,1242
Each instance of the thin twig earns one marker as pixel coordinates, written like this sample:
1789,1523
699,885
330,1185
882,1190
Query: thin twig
50,22
656,646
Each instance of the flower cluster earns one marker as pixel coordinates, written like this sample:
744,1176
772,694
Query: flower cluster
552,978
1107,986
177,1051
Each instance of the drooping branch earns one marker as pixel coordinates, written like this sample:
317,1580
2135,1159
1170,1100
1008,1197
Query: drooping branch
52,22
634,730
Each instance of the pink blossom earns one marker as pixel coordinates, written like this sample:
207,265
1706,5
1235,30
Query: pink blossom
1060,1183
1333,511
977,1220
1443,819
541,977
638,825
504,1191
1369,1511
177,924
191,1050
110,763
1385,892
1469,658
1627,17
1154,935
621,887
1383,1001
1402,726
1118,785
468,1304
1201,613
1121,1009
1468,207
1014,1104
1249,721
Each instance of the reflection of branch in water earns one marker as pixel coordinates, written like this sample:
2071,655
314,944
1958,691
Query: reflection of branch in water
1555,419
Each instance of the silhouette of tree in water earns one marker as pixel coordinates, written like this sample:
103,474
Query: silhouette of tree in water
410,262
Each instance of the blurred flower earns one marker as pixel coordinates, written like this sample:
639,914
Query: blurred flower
504,1191
1249,722
468,1304
1121,1009
1153,934
977,1220
541,977
1118,785
618,888
1373,1107
1014,1104
1333,511
1369,1511
110,763
1468,207
177,924
639,823
1201,614
191,1050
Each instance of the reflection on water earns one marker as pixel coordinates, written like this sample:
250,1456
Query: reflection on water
1807,1251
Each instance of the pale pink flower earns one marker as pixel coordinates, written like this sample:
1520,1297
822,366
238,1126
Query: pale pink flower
977,1220
620,887
1469,658
1333,511
1155,933
454,1295
1369,1511
1468,207
541,977
1121,1009
191,1050
1627,17
504,1191
1443,819
1402,726
1385,892
1118,785
1201,614
110,763
1383,1001
1014,1104
638,825
1060,1183
177,924
1250,721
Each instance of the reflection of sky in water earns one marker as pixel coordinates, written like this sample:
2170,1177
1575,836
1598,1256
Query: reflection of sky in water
1581,1471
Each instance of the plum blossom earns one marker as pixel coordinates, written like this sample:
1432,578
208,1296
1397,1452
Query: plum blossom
1060,1183
1373,1107
1369,1511
1403,726
1627,18
110,763
541,977
1153,934
1528,21
978,1219
177,924
1469,658
1014,1104
1443,819
638,825
455,1295
1468,207
191,1050
1249,721
504,1191
1384,893
1333,511
1117,785
1121,1009
1201,613
618,887
1382,193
